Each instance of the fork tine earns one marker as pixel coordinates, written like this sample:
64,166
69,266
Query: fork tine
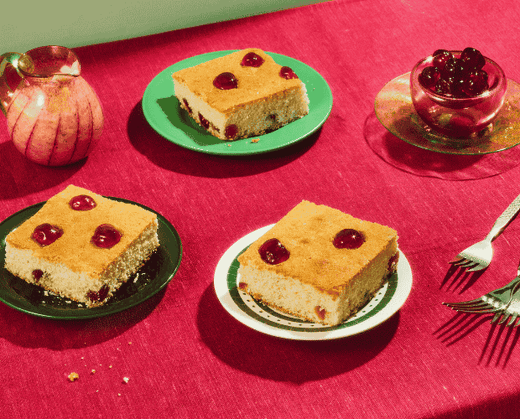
505,317
477,267
458,259
466,263
461,261
513,319
476,309
476,302
497,316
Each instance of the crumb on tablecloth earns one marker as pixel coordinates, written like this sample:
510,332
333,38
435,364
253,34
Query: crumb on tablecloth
73,376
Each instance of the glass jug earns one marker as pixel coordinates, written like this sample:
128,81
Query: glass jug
53,115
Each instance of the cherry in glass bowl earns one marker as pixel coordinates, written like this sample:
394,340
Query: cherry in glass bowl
454,116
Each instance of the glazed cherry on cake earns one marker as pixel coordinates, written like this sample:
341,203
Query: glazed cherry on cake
349,239
46,234
273,252
287,73
106,236
251,59
82,203
225,81
458,77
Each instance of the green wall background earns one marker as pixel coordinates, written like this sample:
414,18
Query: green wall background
32,23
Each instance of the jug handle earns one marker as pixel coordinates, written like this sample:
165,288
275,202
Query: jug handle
9,76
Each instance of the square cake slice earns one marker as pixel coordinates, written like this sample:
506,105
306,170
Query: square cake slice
81,245
319,264
241,95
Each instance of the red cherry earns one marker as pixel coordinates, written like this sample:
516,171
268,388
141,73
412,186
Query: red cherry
225,81
443,87
82,203
429,77
46,234
321,312
252,59
203,121
476,83
349,239
37,274
106,236
440,58
473,58
392,263
231,131
287,73
98,295
273,252
187,105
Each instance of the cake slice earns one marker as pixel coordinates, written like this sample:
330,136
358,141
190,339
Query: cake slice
242,94
319,264
81,245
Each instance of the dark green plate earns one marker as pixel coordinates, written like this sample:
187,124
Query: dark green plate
164,114
148,281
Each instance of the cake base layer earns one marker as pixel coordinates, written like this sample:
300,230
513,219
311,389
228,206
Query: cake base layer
262,102
308,302
318,281
59,279
79,264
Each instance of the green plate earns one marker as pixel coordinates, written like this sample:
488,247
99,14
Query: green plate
252,313
148,281
162,111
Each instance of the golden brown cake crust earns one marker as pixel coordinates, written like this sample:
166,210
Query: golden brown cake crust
129,219
254,84
313,260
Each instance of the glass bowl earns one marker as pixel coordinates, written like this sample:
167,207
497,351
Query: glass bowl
456,117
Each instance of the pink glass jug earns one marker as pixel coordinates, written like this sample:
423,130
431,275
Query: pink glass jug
53,115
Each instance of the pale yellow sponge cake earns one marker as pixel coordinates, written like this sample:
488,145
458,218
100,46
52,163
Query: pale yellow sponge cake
242,94
81,245
319,264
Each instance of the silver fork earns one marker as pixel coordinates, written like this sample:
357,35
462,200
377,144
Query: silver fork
504,302
479,255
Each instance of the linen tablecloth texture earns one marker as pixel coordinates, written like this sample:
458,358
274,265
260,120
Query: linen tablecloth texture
183,355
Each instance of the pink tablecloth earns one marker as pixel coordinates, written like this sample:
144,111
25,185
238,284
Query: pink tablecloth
183,355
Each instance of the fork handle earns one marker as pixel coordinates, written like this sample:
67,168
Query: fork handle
507,216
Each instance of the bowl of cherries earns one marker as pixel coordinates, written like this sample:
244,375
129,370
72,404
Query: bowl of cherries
458,93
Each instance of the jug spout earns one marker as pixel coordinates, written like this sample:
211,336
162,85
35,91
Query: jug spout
10,78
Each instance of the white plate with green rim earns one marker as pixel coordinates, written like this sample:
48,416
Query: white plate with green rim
256,315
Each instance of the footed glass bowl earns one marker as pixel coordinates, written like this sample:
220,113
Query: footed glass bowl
456,117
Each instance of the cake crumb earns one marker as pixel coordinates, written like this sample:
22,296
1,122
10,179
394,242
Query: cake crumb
255,140
126,380
73,376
